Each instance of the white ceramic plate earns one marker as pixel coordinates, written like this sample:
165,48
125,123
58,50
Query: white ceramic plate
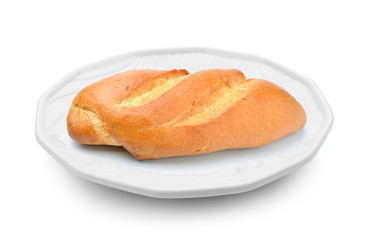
219,173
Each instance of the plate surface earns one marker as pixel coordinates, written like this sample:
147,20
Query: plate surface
219,173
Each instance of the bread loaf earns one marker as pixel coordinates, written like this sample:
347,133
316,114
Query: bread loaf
156,114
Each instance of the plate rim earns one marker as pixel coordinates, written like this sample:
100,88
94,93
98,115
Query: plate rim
161,193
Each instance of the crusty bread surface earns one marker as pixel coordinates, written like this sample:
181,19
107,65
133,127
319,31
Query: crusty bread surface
156,114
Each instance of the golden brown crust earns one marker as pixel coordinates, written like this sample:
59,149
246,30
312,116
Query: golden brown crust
171,124
81,128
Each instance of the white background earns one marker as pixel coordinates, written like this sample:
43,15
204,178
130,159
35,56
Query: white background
329,41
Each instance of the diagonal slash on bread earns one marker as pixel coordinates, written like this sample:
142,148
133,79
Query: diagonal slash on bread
155,114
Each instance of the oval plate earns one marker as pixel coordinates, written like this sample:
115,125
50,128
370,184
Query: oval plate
219,173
